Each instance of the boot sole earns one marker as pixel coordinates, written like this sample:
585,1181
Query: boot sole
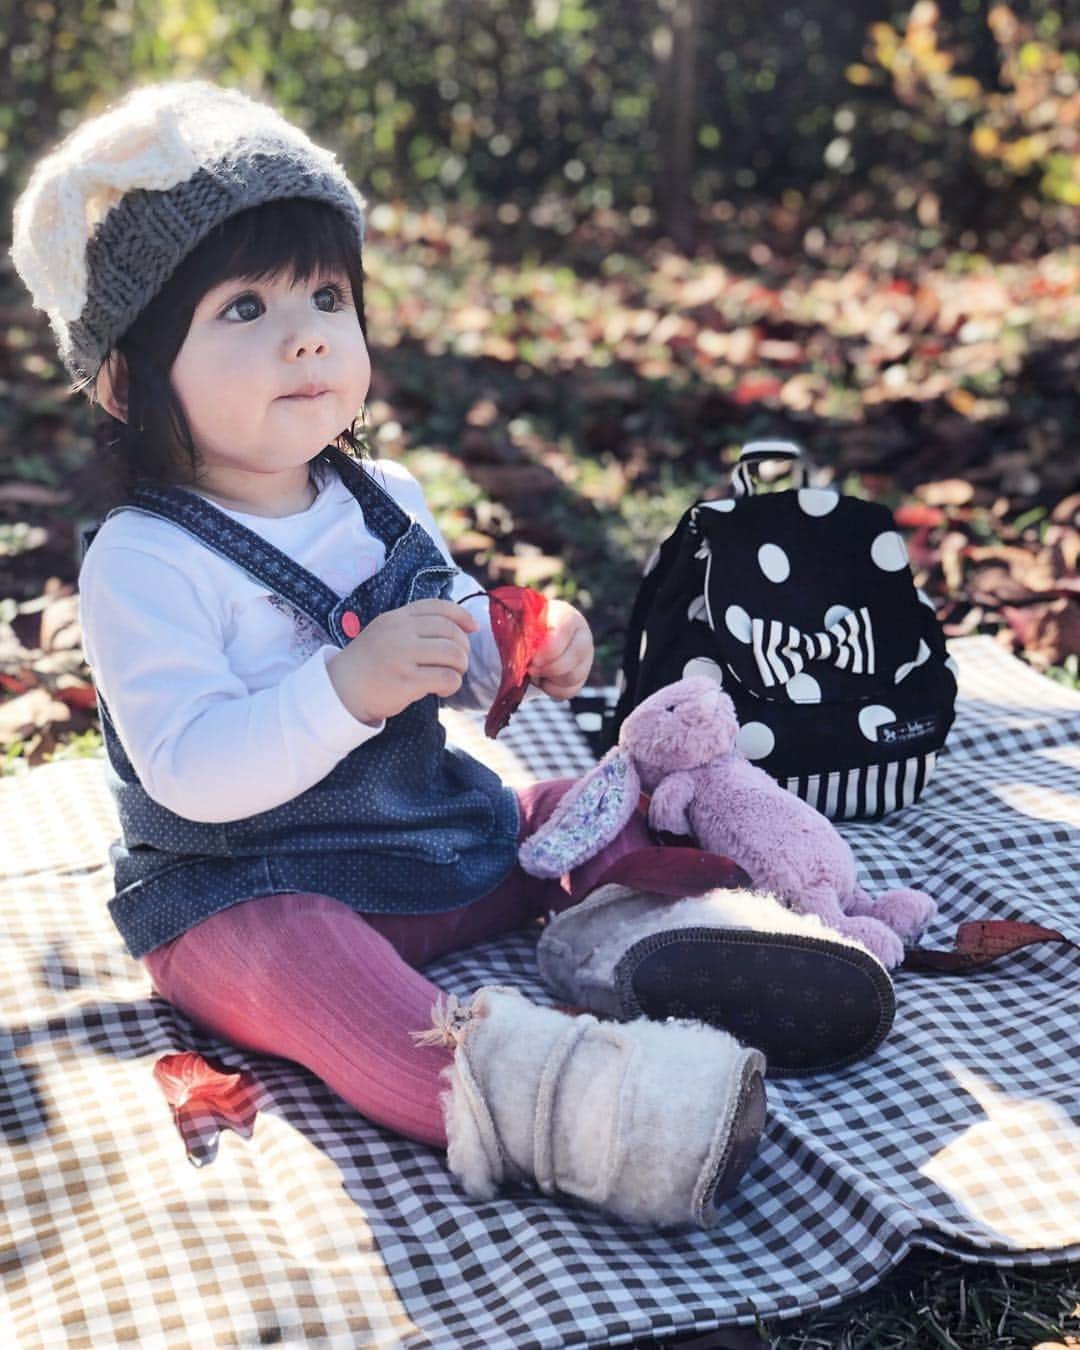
808,1004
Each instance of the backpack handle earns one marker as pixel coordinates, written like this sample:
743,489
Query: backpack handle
755,453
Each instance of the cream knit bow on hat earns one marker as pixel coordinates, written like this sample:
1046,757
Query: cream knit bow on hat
111,212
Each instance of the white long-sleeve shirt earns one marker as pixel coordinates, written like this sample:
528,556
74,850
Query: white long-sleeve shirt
219,691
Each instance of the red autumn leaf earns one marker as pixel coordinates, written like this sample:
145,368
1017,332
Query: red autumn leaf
750,391
204,1100
762,296
921,551
978,944
78,696
915,514
518,622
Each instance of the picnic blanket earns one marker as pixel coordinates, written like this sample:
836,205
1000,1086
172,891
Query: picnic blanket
962,1134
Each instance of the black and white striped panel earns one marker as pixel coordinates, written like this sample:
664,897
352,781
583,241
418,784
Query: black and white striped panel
866,793
781,650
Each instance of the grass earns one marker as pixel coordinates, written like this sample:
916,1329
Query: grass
936,1301
932,1302
15,757
1068,673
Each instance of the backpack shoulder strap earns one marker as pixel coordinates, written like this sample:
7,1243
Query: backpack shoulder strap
658,571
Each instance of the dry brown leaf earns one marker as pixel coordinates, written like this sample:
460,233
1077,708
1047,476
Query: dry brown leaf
781,353
470,542
516,485
994,584
1064,544
946,492
1067,511
60,630
1039,571
483,413
478,445
1048,632
28,713
528,570
953,548
33,494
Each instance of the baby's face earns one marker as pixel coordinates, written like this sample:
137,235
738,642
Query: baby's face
270,372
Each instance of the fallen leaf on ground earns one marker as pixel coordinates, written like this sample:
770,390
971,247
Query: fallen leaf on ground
25,714
979,943
946,492
204,1100
1048,632
33,494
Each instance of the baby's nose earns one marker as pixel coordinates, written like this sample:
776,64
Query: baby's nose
307,344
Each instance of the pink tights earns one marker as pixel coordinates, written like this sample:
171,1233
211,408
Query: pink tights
307,978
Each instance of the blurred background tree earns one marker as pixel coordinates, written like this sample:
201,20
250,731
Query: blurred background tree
964,112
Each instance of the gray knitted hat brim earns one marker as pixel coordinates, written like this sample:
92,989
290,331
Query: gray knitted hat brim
147,235
116,207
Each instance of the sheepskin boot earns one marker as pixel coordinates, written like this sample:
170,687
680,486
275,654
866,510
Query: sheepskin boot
810,999
654,1122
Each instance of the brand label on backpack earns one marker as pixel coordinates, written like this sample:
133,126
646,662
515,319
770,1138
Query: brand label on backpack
914,729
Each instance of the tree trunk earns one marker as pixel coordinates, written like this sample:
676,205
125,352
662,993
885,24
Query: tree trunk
678,125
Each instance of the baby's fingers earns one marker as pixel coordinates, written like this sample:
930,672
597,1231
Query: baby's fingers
561,675
562,653
441,680
443,651
458,615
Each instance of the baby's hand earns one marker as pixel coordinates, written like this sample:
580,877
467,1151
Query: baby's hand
403,654
564,660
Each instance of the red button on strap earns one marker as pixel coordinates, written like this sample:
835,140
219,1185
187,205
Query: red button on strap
350,624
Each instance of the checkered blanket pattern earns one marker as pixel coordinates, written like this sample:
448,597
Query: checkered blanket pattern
962,1134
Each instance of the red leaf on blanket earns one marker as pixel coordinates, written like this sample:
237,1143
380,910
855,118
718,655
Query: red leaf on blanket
674,871
979,943
204,1100
518,623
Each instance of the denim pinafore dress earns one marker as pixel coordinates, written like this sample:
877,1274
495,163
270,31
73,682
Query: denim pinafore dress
402,824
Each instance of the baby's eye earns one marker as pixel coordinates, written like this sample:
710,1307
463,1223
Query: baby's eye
331,292
246,307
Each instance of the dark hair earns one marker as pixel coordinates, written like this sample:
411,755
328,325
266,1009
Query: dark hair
295,236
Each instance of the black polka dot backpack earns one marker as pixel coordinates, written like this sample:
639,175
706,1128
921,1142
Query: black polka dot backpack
801,604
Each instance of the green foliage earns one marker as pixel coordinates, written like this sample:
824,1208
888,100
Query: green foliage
510,104
16,757
1068,673
1029,129
82,745
13,760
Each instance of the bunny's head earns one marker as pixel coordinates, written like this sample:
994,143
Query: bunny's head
682,726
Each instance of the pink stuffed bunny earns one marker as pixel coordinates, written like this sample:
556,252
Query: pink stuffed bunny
679,747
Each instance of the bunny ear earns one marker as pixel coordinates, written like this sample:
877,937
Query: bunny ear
590,815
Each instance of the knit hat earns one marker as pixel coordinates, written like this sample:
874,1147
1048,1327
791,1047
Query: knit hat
111,212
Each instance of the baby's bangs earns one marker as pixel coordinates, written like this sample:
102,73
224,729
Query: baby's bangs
294,236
